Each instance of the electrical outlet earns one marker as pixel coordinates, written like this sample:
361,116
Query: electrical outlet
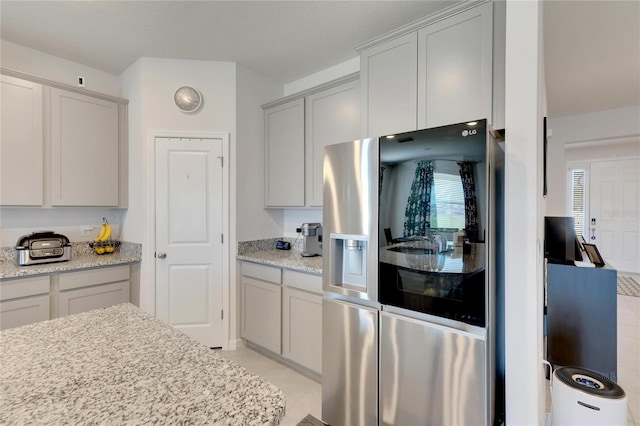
86,229
80,81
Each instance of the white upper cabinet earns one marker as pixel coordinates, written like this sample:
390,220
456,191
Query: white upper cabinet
332,116
297,128
455,68
284,154
389,86
61,146
433,72
84,149
21,142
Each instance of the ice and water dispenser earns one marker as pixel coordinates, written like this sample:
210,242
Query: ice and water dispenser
349,260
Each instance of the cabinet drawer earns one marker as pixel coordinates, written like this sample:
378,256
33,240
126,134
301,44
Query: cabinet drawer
78,279
302,281
27,310
262,272
95,297
22,287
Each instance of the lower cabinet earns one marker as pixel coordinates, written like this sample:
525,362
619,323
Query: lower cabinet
282,312
302,328
29,300
24,301
83,291
261,306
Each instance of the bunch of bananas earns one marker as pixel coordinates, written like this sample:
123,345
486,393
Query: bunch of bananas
102,243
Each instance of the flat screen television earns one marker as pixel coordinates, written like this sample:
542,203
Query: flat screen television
560,241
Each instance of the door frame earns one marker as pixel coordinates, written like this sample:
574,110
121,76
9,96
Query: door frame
151,208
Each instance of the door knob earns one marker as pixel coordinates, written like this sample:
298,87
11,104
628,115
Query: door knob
162,255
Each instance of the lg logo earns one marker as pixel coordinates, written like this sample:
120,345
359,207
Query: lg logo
471,132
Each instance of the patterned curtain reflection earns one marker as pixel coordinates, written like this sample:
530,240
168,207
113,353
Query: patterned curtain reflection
470,201
418,212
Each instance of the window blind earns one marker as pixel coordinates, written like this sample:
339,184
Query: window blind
448,198
578,200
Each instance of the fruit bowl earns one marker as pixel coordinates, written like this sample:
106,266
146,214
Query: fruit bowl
104,247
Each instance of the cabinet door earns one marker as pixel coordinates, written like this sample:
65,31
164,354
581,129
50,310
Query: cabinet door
92,297
284,155
302,328
20,142
27,310
388,75
261,313
332,116
84,150
454,68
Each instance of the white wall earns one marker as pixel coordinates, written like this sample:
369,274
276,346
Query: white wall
253,220
15,222
149,84
524,87
580,134
34,62
340,70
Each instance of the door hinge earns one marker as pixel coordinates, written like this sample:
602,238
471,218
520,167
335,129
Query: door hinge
222,238
221,314
221,161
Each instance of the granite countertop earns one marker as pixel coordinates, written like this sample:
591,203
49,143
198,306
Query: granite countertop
119,365
81,258
452,262
264,252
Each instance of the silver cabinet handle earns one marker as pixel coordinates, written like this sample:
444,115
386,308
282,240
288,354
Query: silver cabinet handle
162,255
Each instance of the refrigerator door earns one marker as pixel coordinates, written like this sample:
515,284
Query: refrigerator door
349,364
350,218
430,374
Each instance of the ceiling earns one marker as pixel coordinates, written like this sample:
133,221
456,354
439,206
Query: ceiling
592,48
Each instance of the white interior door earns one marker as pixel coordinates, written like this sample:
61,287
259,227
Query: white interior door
189,236
614,222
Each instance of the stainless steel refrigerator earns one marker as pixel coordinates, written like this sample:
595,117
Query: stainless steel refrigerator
350,307
408,309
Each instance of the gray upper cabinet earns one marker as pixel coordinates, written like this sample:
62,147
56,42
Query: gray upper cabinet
21,142
61,146
297,128
433,72
389,86
455,68
284,154
84,150
332,116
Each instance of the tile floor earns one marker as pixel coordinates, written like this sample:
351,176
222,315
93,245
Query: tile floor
304,395
629,354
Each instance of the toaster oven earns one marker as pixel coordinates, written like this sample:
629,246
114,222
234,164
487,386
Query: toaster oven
43,247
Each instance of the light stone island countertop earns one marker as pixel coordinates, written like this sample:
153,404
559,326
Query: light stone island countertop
82,257
119,365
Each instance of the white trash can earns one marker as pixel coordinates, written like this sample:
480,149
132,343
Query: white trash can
581,397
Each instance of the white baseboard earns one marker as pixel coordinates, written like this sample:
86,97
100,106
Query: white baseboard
235,344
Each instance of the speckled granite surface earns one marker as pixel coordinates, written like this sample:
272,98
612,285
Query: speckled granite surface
82,257
119,365
263,251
